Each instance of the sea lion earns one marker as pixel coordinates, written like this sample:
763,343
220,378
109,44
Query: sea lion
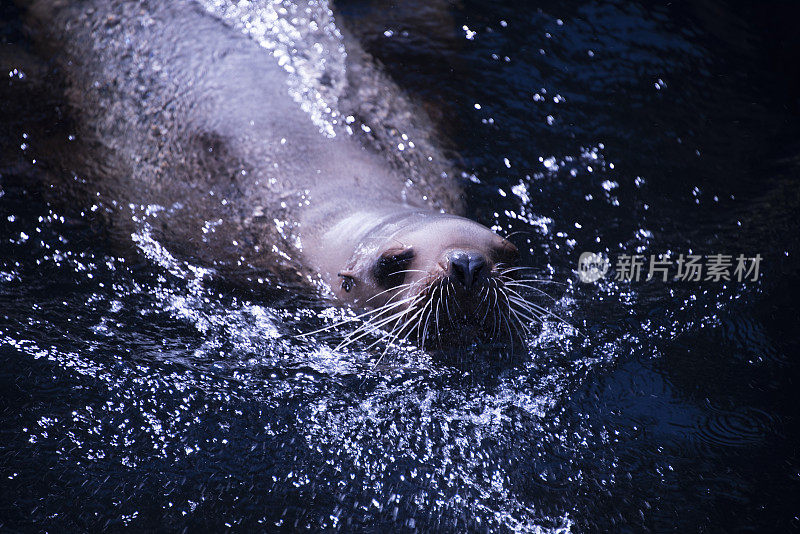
184,126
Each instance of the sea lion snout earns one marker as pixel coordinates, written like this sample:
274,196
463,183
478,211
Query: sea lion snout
466,266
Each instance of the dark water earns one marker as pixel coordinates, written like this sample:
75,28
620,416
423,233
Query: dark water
138,393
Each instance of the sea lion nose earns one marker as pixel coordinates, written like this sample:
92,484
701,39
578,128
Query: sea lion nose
466,266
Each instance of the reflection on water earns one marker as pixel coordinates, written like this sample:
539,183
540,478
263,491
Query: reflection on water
141,390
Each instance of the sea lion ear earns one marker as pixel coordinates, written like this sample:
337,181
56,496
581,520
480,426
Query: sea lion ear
507,252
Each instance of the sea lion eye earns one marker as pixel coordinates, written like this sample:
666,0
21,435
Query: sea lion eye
347,282
390,269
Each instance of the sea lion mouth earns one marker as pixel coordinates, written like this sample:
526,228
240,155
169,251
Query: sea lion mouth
438,312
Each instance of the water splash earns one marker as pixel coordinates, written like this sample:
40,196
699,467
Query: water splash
304,39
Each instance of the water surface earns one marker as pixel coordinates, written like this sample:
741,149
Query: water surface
143,393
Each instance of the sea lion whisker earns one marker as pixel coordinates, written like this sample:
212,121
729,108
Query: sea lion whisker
511,287
528,314
488,305
383,321
389,335
419,323
427,321
388,305
455,300
521,232
514,292
387,338
508,317
412,302
370,327
482,297
508,328
367,329
399,290
502,269
526,283
541,309
395,333
329,327
340,323
403,298
518,320
350,340
512,284
527,272
543,312
385,350
531,308
495,318
538,281
405,337
447,303
458,306
438,307
411,271
378,361
517,324
379,314
514,321
517,315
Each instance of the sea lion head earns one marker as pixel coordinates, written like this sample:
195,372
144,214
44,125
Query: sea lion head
439,279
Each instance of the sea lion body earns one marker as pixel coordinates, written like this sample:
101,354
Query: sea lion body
186,126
